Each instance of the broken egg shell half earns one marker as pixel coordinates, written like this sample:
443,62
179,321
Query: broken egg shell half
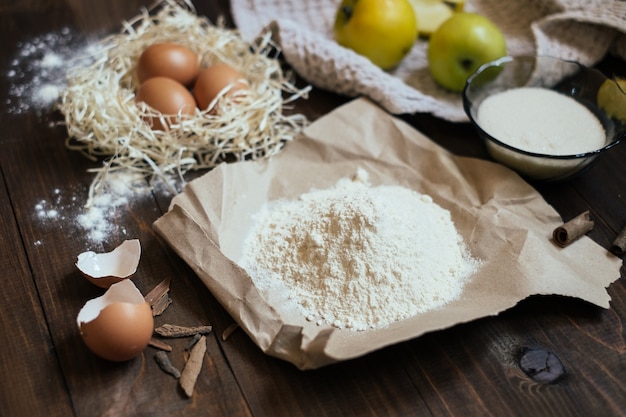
118,325
105,269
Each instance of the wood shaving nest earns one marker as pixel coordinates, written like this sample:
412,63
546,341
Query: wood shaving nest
103,119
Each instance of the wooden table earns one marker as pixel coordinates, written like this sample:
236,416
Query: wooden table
475,369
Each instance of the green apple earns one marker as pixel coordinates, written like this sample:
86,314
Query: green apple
460,46
382,30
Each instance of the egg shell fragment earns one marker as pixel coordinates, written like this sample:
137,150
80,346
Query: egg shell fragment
118,325
105,269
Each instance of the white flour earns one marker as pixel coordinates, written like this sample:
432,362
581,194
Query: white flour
37,72
356,256
101,220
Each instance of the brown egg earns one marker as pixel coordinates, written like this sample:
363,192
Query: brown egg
212,80
118,325
167,96
169,60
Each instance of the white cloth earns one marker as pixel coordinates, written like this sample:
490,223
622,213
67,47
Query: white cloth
580,30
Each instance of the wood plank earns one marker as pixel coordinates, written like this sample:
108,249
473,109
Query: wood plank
28,365
474,369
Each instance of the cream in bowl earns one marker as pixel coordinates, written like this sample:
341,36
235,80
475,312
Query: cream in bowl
540,115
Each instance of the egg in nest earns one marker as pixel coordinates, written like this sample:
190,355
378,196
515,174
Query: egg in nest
216,81
170,60
169,97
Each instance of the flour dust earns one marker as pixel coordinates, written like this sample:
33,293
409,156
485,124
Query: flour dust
37,72
101,219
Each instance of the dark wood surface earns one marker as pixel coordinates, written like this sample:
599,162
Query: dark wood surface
475,369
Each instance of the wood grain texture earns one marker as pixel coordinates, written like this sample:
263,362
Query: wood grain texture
469,370
28,362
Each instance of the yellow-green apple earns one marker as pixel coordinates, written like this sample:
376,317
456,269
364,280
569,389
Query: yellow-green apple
382,30
460,46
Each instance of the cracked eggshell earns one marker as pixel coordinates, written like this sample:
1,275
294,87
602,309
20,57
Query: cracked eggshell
117,325
105,269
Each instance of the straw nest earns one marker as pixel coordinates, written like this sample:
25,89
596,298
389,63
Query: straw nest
104,120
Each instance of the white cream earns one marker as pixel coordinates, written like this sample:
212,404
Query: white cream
542,121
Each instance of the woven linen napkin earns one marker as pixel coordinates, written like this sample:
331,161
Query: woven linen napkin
580,30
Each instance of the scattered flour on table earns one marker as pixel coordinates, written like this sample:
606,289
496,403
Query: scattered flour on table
37,72
357,256
100,220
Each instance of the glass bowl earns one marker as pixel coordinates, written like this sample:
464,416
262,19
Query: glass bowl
566,77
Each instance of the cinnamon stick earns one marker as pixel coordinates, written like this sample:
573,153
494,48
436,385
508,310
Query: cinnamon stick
193,366
161,305
619,244
159,298
156,343
229,330
193,342
172,330
158,291
572,230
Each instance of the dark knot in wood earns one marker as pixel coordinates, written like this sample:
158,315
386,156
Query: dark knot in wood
541,365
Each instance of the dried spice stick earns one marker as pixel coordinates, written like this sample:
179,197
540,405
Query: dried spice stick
161,305
164,363
619,244
229,330
193,366
193,341
156,343
158,297
573,229
172,330
159,291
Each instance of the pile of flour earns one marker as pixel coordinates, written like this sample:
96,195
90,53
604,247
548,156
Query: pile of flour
357,256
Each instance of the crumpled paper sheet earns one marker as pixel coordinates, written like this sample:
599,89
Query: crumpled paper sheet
503,220
579,30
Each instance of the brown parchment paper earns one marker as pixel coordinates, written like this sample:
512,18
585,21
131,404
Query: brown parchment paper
503,220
